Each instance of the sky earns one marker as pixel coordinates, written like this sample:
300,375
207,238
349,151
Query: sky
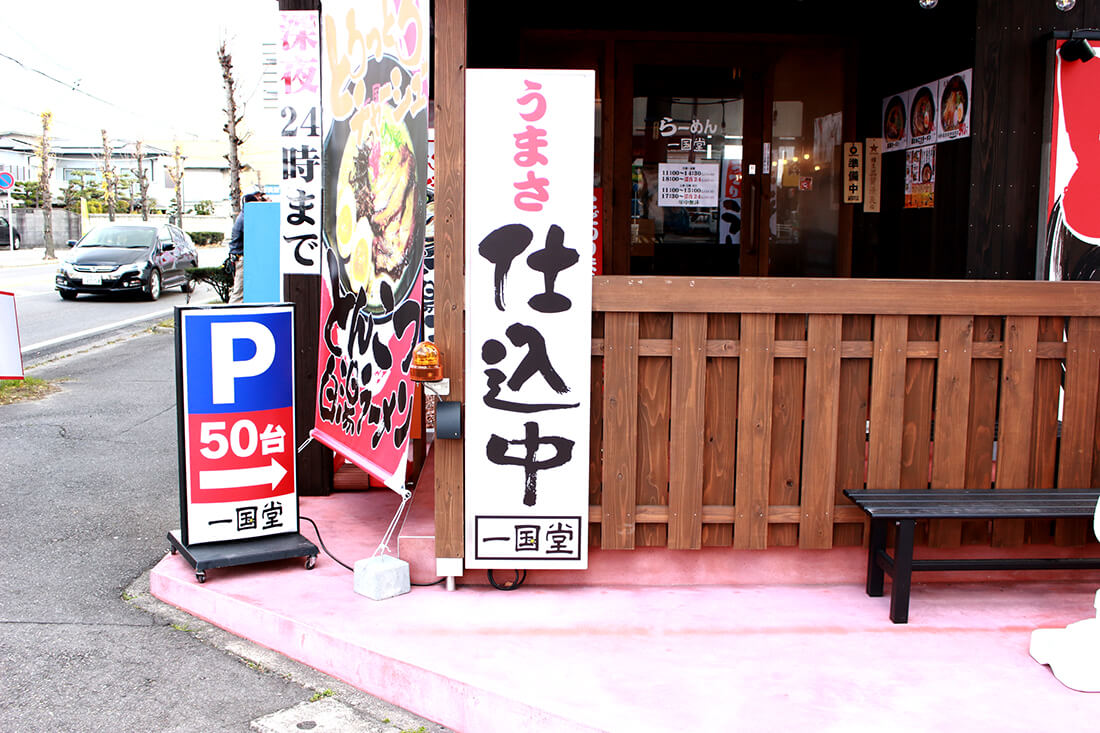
141,69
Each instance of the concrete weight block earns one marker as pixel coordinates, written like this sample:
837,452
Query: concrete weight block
381,577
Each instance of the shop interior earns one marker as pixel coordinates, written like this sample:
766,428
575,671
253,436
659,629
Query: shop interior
754,100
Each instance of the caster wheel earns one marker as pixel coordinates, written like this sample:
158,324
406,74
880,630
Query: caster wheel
200,576
311,562
173,551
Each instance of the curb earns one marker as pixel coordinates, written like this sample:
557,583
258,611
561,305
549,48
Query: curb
374,714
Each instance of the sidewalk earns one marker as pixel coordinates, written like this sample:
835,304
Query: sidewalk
28,256
758,656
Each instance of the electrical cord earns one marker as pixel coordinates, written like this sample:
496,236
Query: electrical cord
340,562
321,542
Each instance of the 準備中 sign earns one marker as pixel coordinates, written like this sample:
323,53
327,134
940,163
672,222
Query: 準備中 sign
235,391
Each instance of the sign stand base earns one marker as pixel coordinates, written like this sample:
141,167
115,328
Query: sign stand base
242,552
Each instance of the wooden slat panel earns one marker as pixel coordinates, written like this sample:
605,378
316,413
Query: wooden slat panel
849,350
920,382
750,531
855,395
985,377
842,295
654,391
595,443
685,527
1016,421
1048,397
952,410
620,427
1078,419
789,383
720,515
820,432
450,208
720,446
887,402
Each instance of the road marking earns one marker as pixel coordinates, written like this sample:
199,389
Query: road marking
237,478
94,331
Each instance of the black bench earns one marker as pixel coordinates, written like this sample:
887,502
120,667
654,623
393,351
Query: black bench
905,507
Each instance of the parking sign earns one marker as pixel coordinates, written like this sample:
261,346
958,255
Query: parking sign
235,397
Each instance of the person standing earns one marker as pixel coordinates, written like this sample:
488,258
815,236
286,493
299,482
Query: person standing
236,249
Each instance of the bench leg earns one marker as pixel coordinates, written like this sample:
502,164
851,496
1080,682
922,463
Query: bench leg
903,571
876,542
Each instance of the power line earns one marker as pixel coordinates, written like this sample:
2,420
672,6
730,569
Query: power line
73,87
65,84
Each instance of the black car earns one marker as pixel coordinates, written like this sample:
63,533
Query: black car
120,258
9,235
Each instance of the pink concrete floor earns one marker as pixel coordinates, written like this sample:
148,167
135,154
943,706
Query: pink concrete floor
788,640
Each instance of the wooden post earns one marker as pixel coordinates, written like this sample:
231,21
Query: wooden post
450,221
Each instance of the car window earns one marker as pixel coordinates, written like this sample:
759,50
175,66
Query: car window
177,236
3,222
116,236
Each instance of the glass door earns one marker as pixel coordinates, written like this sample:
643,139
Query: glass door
690,151
805,170
734,159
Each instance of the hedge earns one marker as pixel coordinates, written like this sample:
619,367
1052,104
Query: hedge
204,238
216,277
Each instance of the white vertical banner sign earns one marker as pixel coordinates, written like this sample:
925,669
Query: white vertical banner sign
872,201
300,124
529,151
11,357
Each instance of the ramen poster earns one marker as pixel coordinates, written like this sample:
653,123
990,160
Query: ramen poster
920,177
953,120
934,112
895,121
375,61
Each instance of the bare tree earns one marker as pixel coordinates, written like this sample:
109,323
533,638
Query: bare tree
176,174
232,120
142,181
110,179
42,151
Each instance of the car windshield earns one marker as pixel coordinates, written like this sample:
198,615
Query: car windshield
121,237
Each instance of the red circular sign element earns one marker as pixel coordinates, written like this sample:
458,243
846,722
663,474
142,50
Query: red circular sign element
7,180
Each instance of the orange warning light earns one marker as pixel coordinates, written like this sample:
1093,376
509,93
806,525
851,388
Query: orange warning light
427,363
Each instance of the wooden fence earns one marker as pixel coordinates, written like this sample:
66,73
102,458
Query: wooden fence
735,411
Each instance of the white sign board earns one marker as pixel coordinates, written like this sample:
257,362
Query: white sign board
687,184
872,201
235,382
11,359
529,143
300,113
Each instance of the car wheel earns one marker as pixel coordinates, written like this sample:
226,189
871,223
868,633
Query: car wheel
152,290
15,242
67,294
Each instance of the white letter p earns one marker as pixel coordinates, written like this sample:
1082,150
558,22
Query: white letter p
224,370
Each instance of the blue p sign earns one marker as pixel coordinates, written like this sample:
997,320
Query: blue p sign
238,359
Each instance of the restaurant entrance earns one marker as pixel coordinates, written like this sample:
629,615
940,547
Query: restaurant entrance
716,153
735,158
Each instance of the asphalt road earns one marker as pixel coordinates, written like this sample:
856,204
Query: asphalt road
49,326
88,490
